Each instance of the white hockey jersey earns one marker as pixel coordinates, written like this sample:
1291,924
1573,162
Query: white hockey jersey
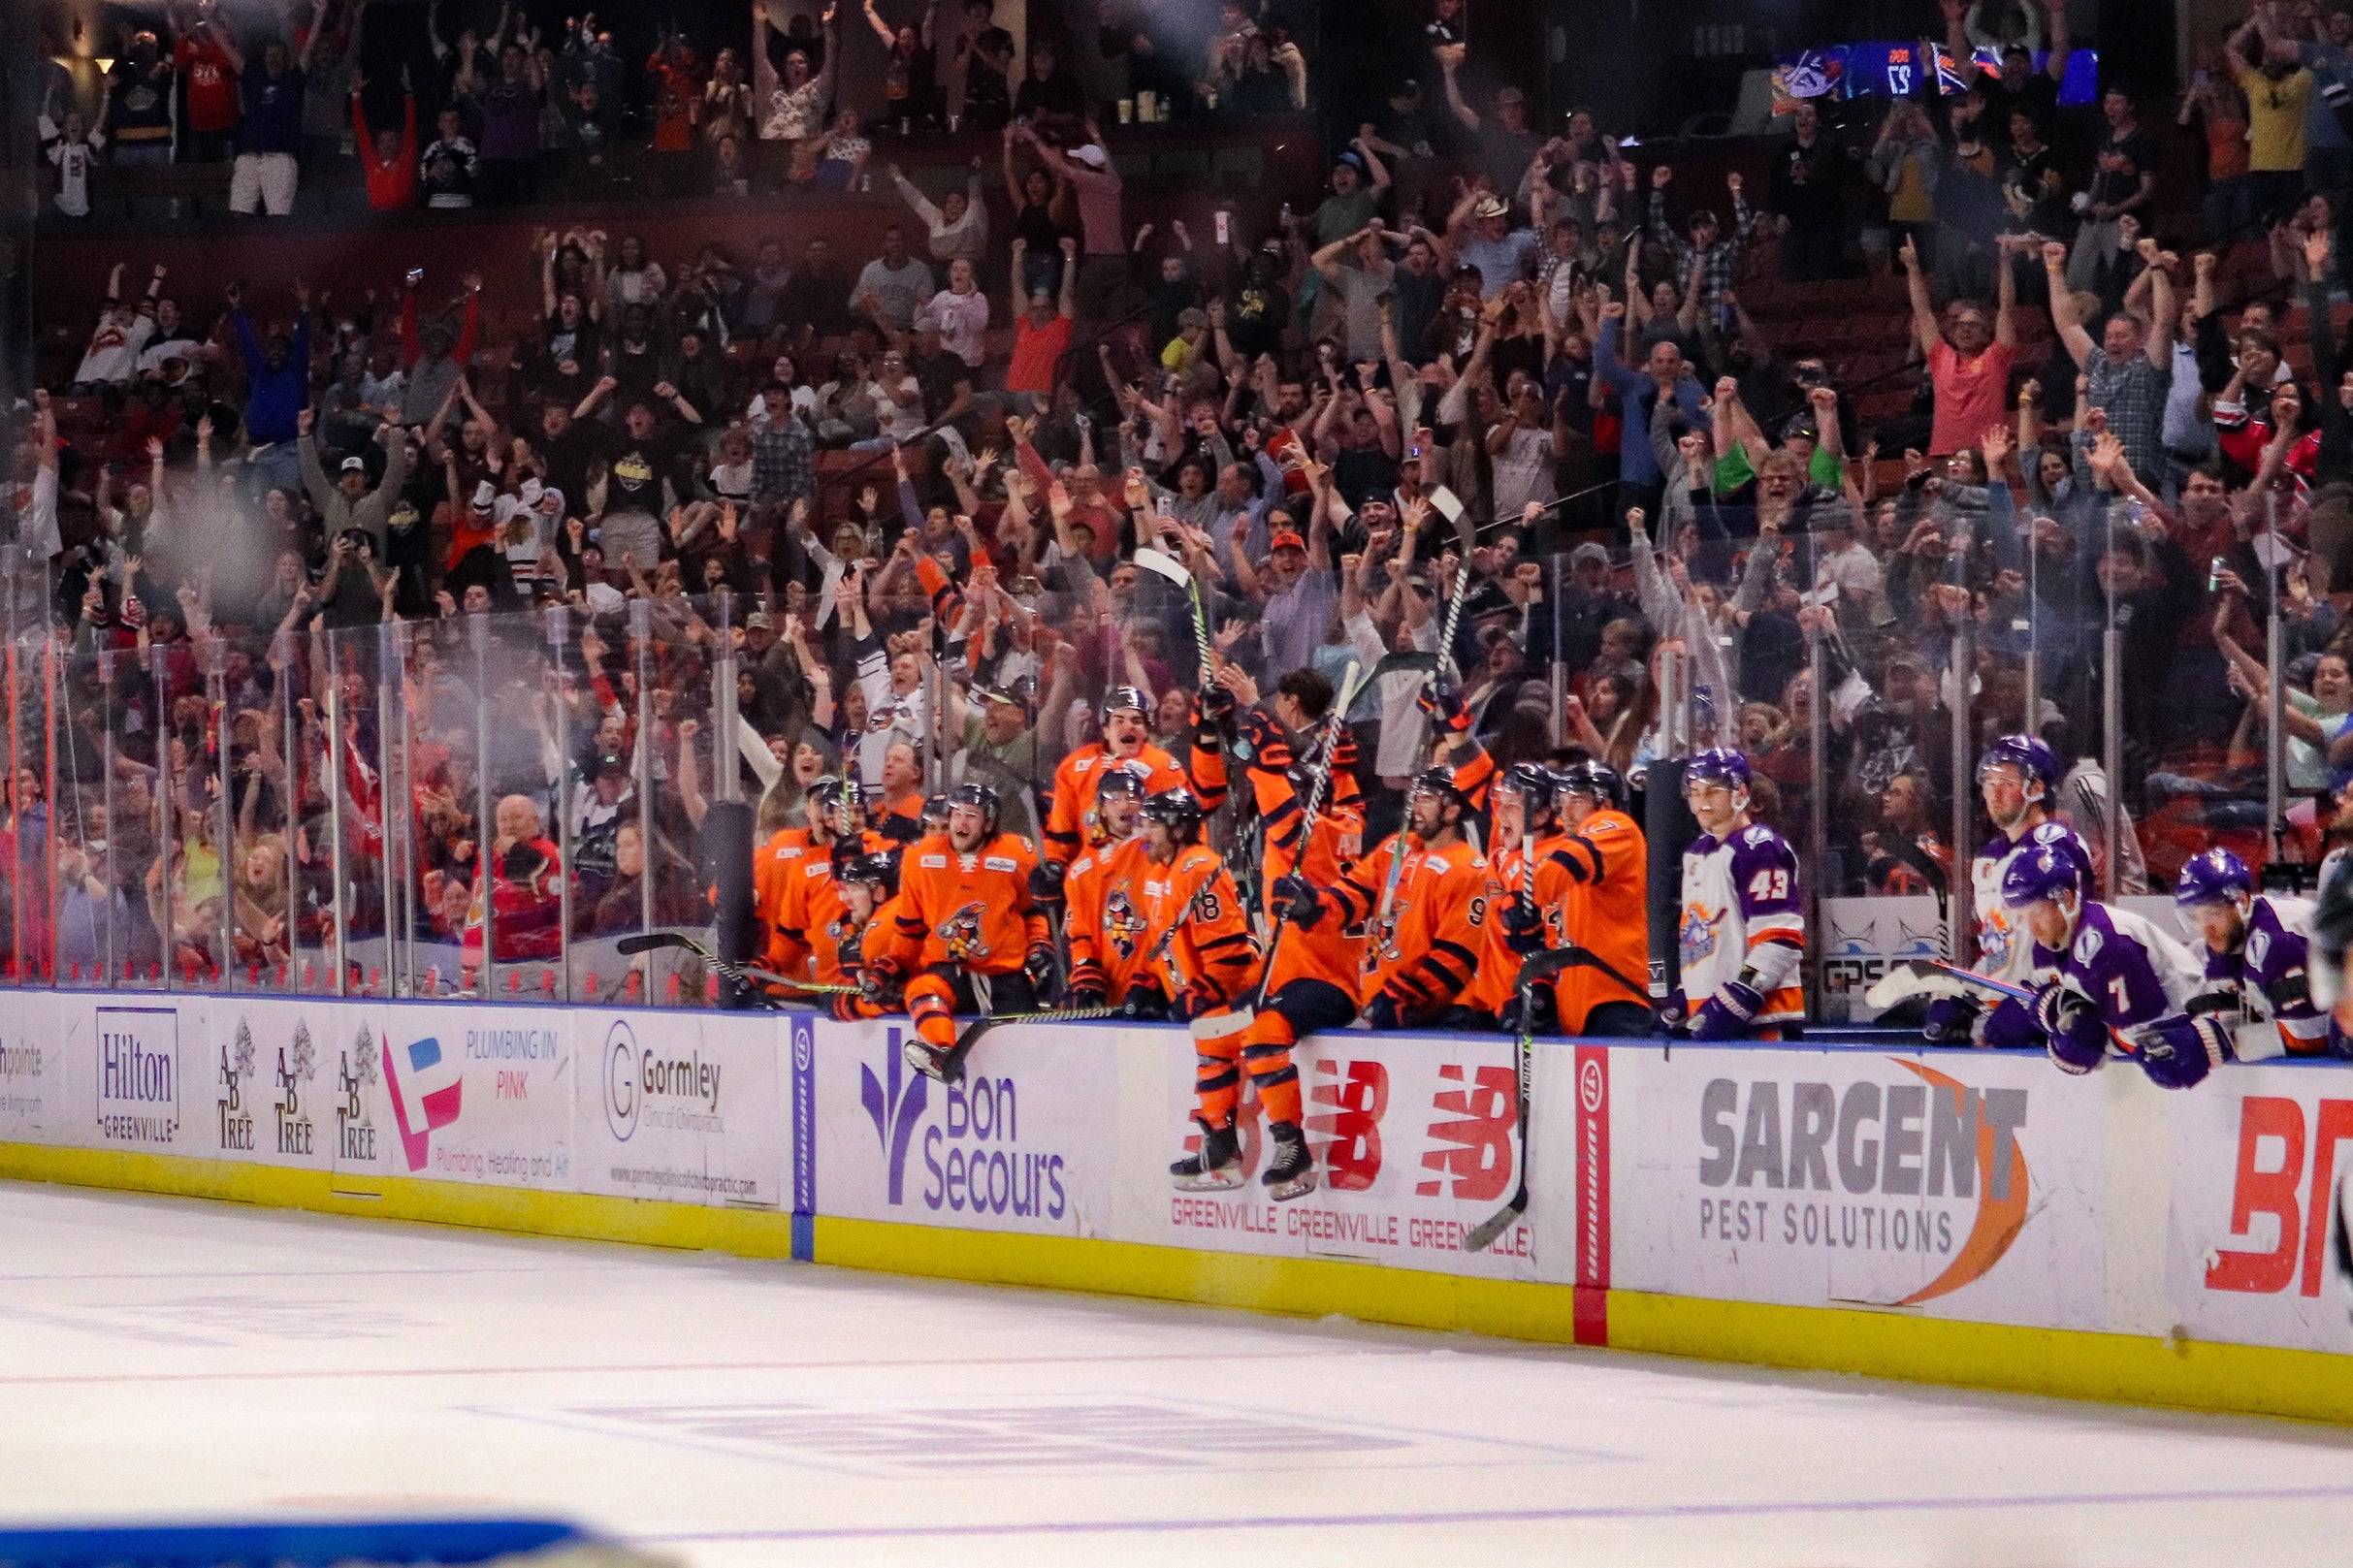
1743,910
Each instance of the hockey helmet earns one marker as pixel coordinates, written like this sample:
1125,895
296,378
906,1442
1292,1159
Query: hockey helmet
1439,781
1124,699
1535,784
981,797
2042,873
2030,754
878,871
1596,781
1719,765
1177,810
1125,781
2215,877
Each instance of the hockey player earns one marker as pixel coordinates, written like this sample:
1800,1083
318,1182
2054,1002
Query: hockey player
2121,982
806,899
867,883
1742,929
970,938
1312,968
2257,955
1101,923
2016,776
1075,823
1193,933
1525,887
1425,953
1605,908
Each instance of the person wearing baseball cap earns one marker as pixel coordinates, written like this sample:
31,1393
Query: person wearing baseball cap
1480,227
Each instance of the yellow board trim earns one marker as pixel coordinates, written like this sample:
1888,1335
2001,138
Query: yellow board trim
2068,1363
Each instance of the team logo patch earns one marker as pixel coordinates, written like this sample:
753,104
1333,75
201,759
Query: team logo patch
1121,922
960,934
1697,937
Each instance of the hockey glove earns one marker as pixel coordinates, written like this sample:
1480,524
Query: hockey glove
1212,706
877,980
1345,755
1673,1013
1039,966
1302,902
1951,1021
1728,1014
1196,1001
1144,1004
1046,882
1523,924
2179,1053
2011,1025
1382,1012
2074,1034
1082,998
1441,702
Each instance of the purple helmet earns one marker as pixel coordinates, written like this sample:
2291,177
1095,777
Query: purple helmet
2040,873
2030,754
2216,876
1718,765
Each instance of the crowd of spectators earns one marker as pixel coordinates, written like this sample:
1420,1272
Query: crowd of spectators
908,489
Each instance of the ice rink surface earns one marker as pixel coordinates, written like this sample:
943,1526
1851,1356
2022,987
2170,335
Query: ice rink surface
168,1358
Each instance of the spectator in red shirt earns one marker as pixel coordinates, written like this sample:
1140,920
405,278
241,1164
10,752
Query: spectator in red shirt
1969,358
389,156
1042,333
677,110
210,70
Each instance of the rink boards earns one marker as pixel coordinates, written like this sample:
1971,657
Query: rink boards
1957,1217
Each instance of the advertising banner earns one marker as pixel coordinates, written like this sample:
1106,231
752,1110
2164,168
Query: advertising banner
1963,1185
287,1085
1416,1140
478,1093
33,1103
1023,1143
140,1074
686,1106
2258,1152
1861,937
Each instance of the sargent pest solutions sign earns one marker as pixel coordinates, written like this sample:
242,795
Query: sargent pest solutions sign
1964,1186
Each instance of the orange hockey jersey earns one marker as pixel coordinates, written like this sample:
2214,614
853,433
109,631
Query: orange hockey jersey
1074,826
1605,909
972,911
809,903
1506,878
1428,954
1123,904
769,864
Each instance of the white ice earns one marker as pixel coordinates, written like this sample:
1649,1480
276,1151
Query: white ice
174,1359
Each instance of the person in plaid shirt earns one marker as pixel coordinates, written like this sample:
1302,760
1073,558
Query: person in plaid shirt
783,466
1718,253
2130,368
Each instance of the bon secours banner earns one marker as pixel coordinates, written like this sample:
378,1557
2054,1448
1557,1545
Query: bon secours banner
1972,1185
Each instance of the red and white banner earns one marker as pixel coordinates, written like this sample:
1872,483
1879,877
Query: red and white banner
2258,1153
1417,1140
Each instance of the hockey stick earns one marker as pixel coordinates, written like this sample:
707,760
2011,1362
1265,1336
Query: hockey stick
1934,977
951,1066
1467,538
745,975
1169,567
1539,966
